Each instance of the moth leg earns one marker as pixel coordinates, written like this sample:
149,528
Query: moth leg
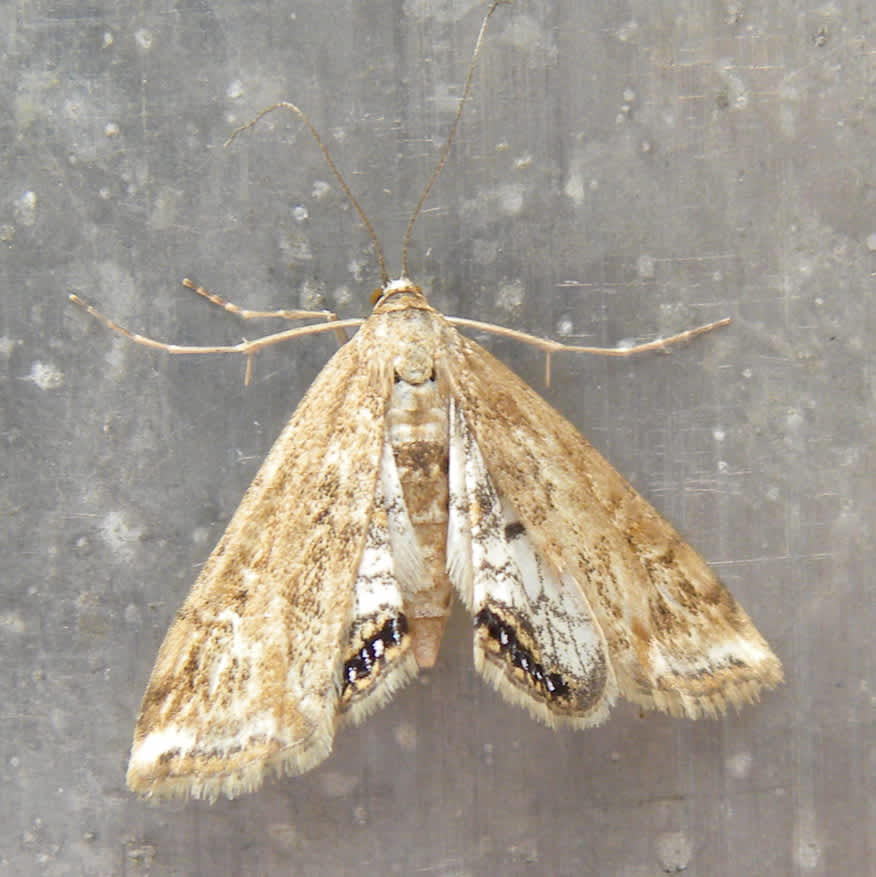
550,347
247,314
247,348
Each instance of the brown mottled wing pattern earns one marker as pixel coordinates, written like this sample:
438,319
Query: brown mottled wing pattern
676,637
247,677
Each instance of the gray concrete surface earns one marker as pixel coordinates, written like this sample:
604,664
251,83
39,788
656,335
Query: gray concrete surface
624,170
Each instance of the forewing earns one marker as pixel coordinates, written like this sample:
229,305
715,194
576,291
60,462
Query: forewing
677,639
536,639
248,676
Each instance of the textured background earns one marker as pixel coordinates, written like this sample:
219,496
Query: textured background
623,170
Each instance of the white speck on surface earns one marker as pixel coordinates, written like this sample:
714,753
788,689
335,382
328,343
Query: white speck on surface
342,295
355,267
510,198
45,375
116,358
132,615
510,295
807,850
646,266
871,242
311,295
7,232
565,327
574,188
72,109
7,345
737,91
118,534
25,207
299,213
320,189
405,734
111,129
234,90
164,208
143,38
627,31
718,434
794,419
108,39
523,162
142,853
739,765
673,851
629,95
527,33
338,785
11,622
297,248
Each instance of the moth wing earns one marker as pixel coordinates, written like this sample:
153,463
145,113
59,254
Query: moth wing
248,675
536,639
378,652
677,639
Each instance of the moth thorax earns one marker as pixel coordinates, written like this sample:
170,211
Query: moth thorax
417,429
415,366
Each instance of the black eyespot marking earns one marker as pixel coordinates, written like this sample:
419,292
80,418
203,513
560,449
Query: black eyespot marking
372,652
552,685
513,530
398,379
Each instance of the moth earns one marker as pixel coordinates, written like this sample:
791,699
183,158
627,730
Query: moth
418,466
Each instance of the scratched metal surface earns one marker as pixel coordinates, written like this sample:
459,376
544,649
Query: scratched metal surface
623,170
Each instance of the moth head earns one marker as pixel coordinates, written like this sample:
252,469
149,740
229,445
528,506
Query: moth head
397,296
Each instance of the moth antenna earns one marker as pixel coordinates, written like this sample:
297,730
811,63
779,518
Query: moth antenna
363,216
448,143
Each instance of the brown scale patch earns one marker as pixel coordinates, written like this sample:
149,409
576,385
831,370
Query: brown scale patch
154,699
641,633
666,622
425,458
237,598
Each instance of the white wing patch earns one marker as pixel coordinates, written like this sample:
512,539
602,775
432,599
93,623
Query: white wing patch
536,640
378,656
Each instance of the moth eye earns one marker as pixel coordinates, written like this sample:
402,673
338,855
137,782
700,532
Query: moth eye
415,365
397,378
